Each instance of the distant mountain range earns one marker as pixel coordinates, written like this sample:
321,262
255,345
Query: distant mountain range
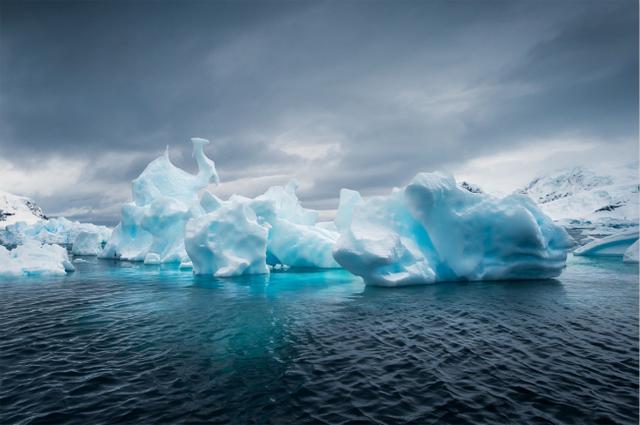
14,208
583,194
599,202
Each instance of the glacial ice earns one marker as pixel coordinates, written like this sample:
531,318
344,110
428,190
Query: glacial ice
349,200
295,238
228,239
227,242
299,245
432,230
87,243
34,258
165,197
611,246
59,231
169,222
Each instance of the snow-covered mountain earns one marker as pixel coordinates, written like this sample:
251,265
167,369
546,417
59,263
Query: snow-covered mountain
473,188
581,193
22,220
14,208
595,200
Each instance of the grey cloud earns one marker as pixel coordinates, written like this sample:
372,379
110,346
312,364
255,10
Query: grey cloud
399,87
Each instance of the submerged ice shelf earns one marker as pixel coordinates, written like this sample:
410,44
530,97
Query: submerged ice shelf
432,230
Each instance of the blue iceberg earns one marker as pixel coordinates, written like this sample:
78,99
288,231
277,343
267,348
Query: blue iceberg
173,219
611,246
432,230
33,257
164,199
246,236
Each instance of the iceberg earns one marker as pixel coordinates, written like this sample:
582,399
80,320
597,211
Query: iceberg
172,219
87,243
349,200
59,231
299,245
433,230
227,242
296,239
164,199
247,236
611,246
34,258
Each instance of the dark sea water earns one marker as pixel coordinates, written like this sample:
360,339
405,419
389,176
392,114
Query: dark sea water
128,343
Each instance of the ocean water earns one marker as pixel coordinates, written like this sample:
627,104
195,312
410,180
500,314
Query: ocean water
128,343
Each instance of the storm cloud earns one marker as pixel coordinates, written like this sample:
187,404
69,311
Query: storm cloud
336,94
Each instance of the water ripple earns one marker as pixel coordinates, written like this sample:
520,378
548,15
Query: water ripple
127,343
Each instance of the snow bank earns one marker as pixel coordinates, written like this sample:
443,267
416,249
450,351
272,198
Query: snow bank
34,258
586,194
15,209
590,203
433,230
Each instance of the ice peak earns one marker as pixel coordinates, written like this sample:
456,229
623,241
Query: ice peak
206,167
199,141
292,186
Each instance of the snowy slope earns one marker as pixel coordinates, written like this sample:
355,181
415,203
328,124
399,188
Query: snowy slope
584,194
594,202
14,209
22,220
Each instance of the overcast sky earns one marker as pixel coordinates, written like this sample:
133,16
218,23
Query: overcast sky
358,94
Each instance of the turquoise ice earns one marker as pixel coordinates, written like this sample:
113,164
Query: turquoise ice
432,230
